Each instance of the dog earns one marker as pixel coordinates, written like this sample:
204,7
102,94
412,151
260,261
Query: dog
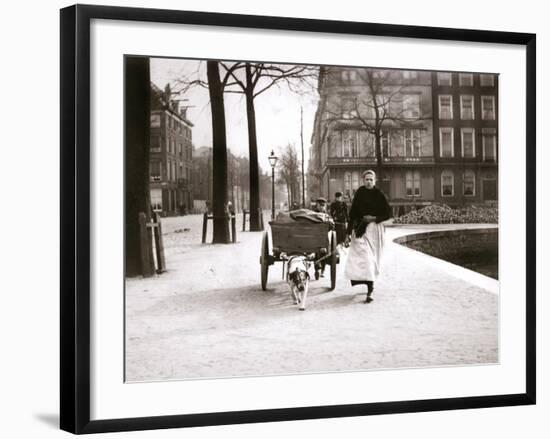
297,277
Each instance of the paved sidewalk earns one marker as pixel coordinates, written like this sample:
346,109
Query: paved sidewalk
208,317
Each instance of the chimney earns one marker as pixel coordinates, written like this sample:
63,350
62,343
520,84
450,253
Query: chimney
183,112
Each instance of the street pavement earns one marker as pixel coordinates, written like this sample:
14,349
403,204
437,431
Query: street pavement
207,316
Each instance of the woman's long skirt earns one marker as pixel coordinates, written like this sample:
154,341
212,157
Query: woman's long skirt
365,254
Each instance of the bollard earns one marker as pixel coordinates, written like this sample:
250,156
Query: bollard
233,229
146,251
226,224
244,219
204,224
261,219
159,245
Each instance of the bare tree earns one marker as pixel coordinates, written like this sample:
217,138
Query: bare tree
289,172
253,79
383,104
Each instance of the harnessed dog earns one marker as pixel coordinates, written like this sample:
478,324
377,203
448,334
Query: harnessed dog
297,277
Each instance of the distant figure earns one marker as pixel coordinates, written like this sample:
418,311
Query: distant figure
321,205
368,210
339,213
230,208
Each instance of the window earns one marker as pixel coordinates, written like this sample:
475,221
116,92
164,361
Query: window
411,106
444,79
349,108
446,142
468,142
347,183
412,183
487,80
155,120
489,144
355,180
466,107
155,144
465,79
383,103
349,75
445,107
156,199
385,143
409,74
154,171
349,144
469,183
411,141
488,107
447,184
334,144
367,146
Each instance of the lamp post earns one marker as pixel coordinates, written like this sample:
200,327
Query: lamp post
272,161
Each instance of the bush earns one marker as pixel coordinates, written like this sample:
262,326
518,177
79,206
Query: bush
443,214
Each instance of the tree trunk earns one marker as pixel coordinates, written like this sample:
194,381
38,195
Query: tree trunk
136,130
378,155
253,154
289,196
219,154
378,143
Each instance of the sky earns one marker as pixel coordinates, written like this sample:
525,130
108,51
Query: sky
277,112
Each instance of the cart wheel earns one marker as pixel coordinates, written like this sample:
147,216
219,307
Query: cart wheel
264,260
333,260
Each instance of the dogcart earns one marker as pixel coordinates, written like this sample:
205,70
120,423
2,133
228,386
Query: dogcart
315,241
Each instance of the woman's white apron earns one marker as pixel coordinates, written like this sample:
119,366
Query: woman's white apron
365,254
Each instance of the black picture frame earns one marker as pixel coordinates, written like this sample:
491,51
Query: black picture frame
75,218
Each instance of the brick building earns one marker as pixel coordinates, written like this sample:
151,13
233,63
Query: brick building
171,155
465,137
405,113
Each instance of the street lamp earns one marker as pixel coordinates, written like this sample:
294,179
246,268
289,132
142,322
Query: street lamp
273,161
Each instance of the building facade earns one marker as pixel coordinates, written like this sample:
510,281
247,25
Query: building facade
465,137
395,122
171,155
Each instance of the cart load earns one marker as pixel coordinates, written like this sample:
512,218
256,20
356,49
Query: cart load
302,232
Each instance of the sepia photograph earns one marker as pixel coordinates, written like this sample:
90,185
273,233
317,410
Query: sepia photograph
286,219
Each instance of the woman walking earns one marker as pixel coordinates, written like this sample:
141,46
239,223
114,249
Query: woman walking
368,209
